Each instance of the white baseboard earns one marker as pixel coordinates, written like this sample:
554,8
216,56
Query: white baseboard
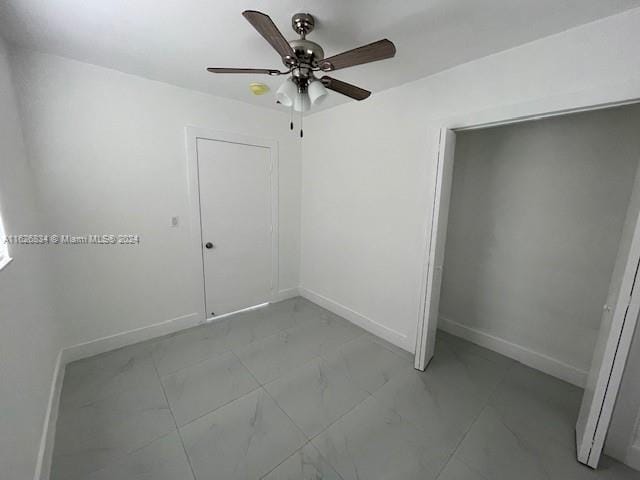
539,361
45,452
285,294
392,336
118,340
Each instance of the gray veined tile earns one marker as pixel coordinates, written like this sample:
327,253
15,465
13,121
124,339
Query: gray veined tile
444,414
375,443
245,439
97,377
163,459
494,450
201,388
539,412
407,356
464,347
305,312
369,364
305,464
96,434
445,400
246,327
468,371
278,354
537,404
497,451
189,347
457,470
316,394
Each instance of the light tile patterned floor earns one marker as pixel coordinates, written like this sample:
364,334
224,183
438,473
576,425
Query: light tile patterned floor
294,392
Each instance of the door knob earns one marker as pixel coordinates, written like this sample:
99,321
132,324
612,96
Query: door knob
208,245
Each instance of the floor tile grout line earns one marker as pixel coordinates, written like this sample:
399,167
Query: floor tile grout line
231,349
257,387
323,358
473,469
462,439
303,364
475,420
199,362
259,383
121,459
275,402
228,348
184,448
118,460
342,416
279,331
154,342
502,380
287,458
308,442
307,437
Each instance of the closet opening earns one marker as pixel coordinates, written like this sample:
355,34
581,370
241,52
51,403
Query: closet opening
534,250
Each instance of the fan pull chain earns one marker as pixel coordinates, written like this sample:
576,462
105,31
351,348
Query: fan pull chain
291,124
301,117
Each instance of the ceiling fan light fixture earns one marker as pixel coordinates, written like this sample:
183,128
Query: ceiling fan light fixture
302,59
287,93
302,103
317,92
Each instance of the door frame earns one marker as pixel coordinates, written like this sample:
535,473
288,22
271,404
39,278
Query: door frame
591,100
192,134
575,103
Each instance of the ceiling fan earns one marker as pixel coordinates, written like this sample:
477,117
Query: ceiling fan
303,58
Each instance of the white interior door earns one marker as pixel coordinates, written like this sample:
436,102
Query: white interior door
426,335
614,340
237,224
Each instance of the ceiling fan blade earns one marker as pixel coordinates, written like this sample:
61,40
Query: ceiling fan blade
244,70
367,53
265,27
345,88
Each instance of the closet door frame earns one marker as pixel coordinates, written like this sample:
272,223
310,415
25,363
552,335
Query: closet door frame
433,236
192,134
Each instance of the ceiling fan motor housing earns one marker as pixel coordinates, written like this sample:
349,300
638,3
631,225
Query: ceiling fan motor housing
307,53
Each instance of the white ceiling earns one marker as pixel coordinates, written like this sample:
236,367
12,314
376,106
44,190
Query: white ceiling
174,40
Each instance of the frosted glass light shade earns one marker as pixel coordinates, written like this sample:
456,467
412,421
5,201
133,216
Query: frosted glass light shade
302,102
317,92
287,92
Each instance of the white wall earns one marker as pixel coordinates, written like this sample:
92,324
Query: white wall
535,222
30,337
368,167
108,151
